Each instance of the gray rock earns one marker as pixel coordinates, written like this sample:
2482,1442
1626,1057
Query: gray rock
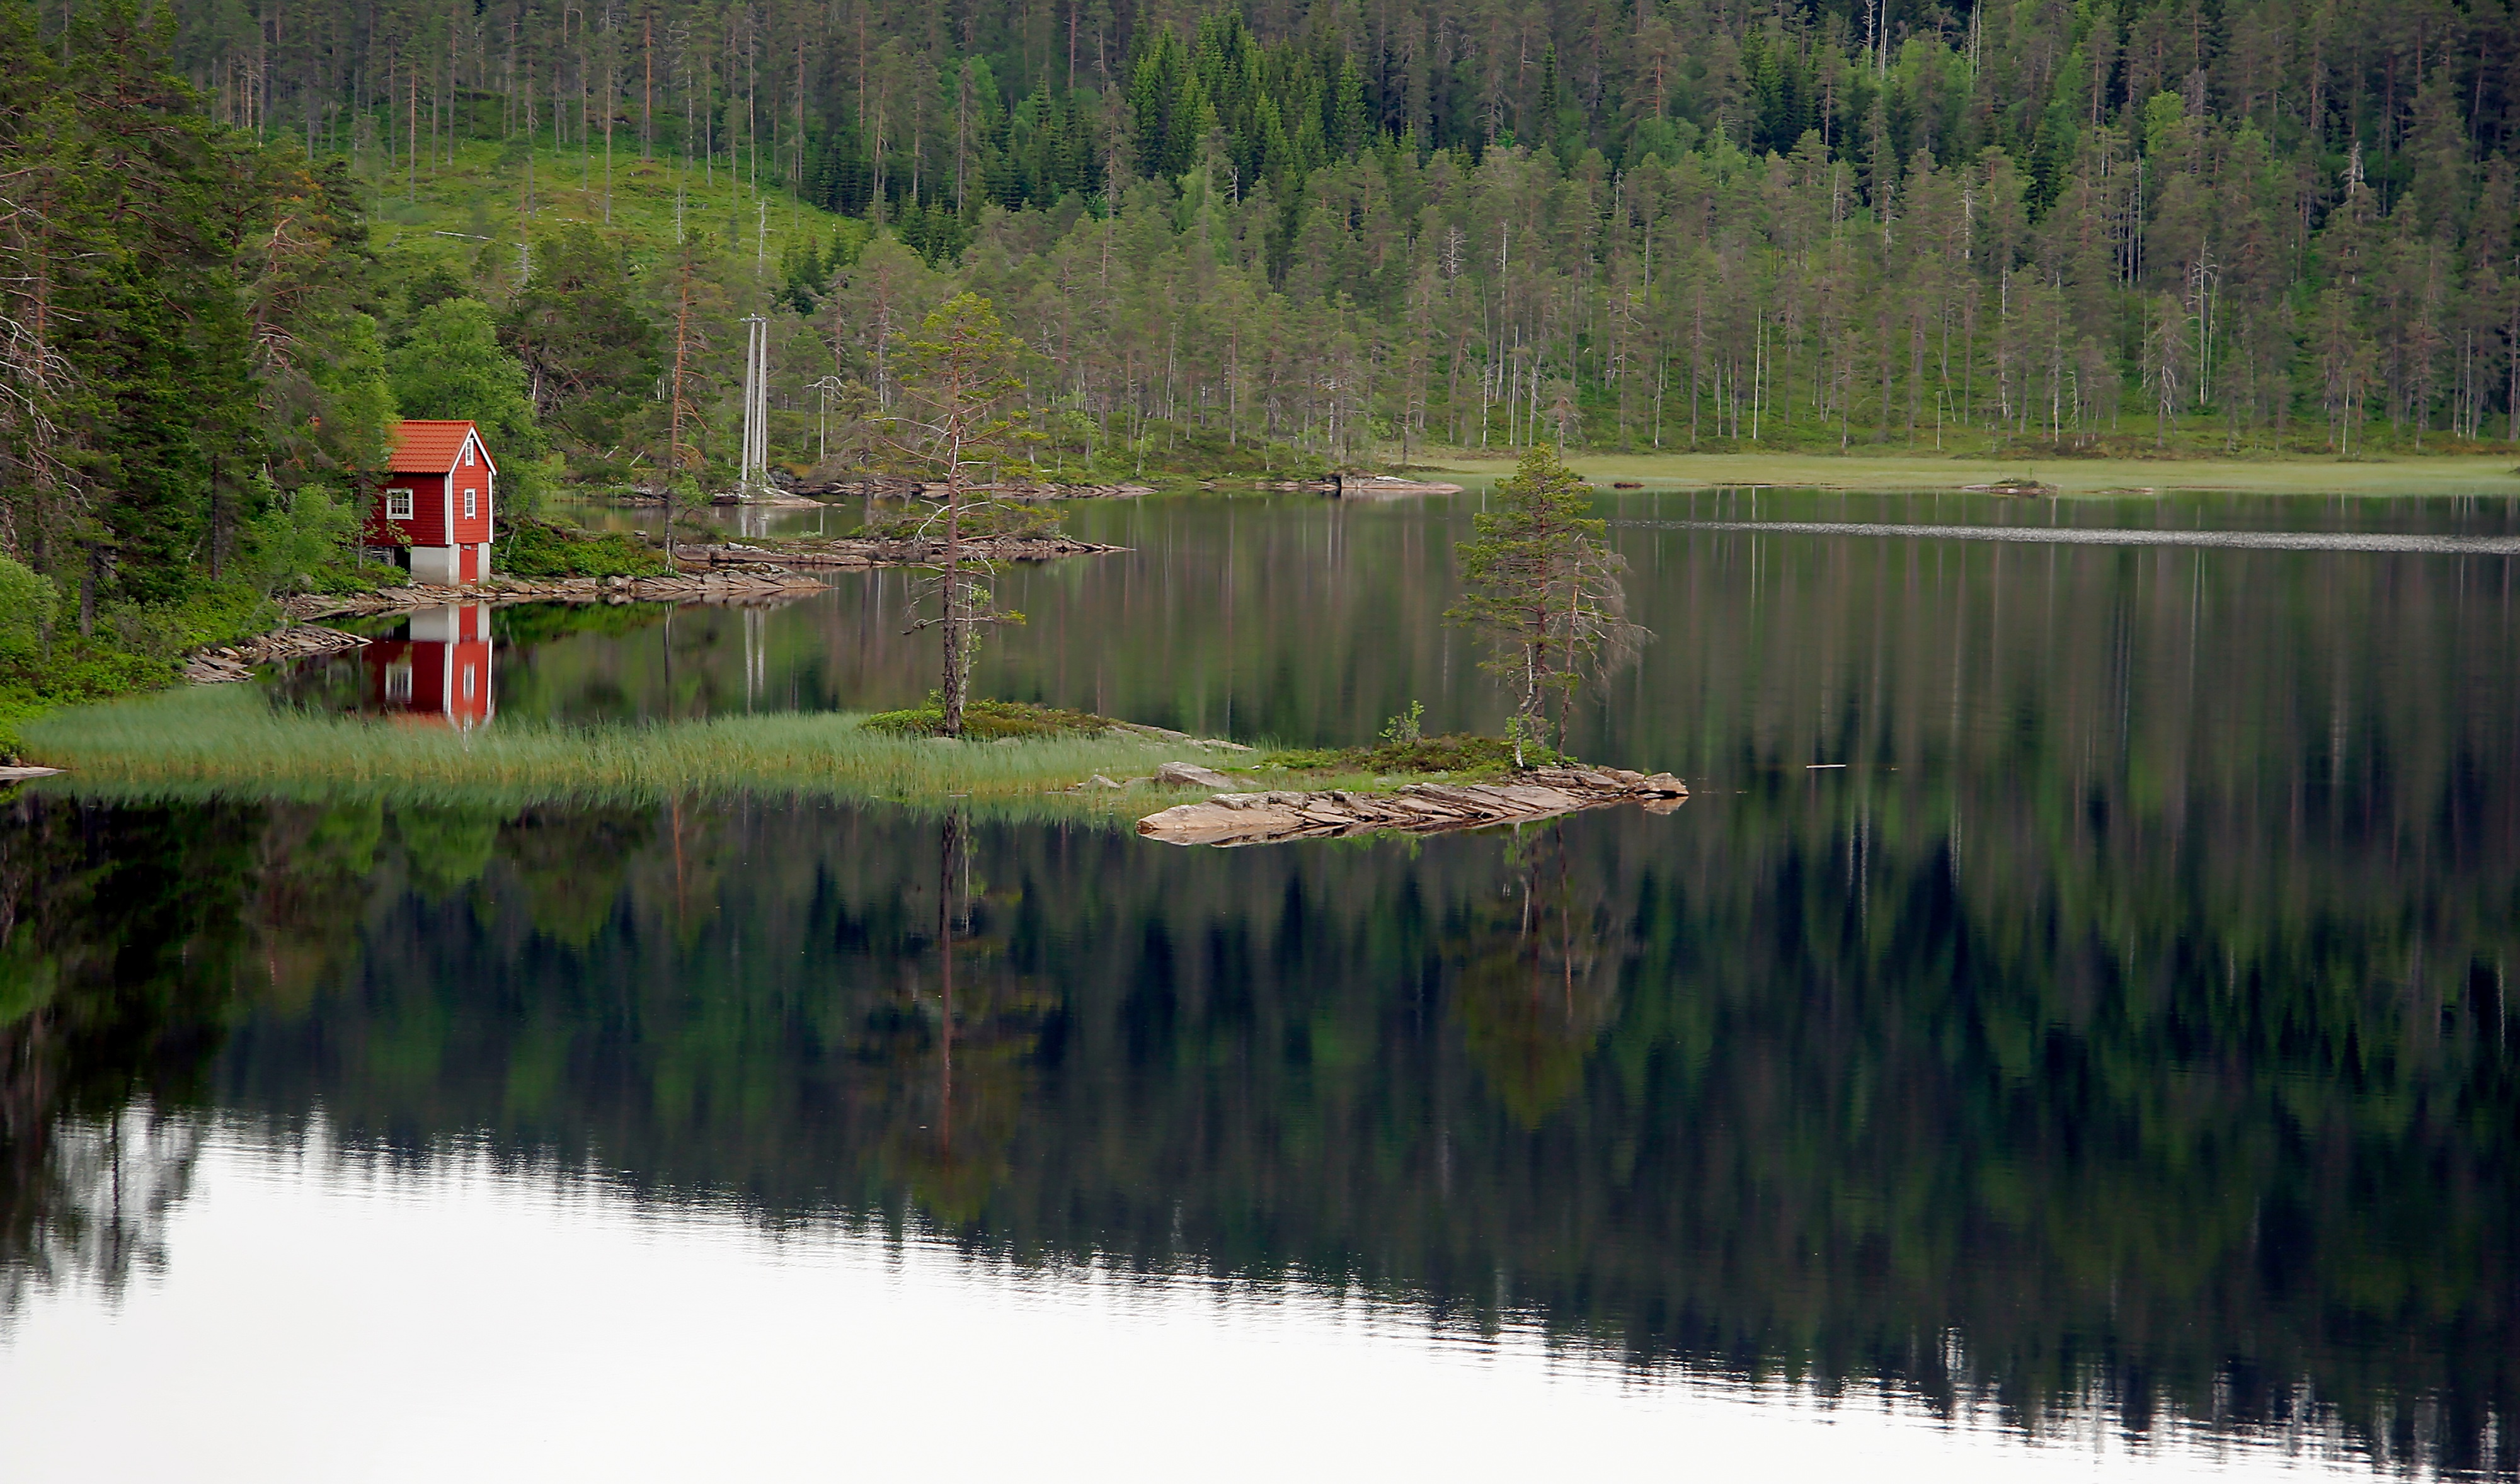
1191,776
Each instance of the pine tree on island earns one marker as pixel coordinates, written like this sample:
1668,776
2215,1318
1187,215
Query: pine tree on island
1543,592
961,373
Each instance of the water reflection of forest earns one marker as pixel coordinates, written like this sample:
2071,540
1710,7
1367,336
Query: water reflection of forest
1812,1082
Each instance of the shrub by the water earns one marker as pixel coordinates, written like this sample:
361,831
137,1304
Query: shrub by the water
530,547
133,648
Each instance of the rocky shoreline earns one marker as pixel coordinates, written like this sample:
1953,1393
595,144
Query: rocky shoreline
227,663
1259,819
903,488
765,583
859,551
1357,486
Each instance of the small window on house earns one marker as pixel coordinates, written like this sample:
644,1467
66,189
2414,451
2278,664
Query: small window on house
399,504
471,503
468,455
398,680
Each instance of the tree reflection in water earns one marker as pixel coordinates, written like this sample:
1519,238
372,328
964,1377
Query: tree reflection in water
952,1064
1778,1087
1535,976
86,1201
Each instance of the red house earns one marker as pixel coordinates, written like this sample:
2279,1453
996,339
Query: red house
434,514
439,672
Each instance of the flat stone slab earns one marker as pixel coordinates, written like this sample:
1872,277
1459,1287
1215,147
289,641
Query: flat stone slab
1260,819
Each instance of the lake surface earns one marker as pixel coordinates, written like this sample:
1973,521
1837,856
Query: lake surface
2066,1031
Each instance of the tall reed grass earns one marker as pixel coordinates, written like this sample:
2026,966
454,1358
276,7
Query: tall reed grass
228,741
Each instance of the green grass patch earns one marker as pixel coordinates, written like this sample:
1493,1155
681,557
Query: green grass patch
230,741
990,721
1455,754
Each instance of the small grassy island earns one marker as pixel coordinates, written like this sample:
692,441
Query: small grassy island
1014,761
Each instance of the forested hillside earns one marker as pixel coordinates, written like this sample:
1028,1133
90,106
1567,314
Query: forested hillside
1650,224
238,235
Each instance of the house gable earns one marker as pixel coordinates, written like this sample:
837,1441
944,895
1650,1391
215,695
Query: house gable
439,496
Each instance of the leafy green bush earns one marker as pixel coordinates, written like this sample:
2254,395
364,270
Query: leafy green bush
136,646
28,603
217,612
76,670
529,546
297,537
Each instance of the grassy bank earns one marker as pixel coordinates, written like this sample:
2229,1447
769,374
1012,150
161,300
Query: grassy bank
2437,474
227,742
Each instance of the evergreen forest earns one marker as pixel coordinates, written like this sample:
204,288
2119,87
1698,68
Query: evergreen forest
242,234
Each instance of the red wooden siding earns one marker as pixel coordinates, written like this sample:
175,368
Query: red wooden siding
427,523
477,479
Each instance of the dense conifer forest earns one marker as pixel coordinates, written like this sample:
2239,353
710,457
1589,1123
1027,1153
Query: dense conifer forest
241,236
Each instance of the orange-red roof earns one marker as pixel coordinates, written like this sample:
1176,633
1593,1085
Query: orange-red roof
431,445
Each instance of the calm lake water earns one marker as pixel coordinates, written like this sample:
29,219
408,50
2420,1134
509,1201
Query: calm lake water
2066,1031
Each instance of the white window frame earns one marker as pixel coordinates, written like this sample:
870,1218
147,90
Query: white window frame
399,504
472,503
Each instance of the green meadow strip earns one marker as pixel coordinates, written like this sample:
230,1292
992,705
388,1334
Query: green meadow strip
228,741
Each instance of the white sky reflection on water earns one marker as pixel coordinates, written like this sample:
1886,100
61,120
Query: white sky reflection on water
328,1320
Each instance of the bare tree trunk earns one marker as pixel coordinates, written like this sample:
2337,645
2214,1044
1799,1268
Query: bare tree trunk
682,356
957,620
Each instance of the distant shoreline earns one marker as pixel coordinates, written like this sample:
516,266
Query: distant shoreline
2427,475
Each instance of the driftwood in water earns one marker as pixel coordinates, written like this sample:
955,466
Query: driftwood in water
1256,819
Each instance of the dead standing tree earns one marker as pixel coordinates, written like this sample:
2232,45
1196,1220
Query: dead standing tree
962,372
1543,592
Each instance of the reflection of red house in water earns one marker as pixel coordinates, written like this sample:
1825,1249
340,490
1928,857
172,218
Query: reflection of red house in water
434,513
440,673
